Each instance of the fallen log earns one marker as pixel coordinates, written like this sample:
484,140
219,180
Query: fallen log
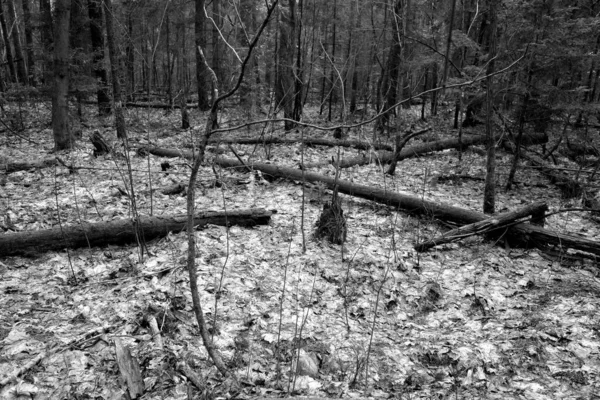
525,234
121,231
536,210
357,144
385,157
9,167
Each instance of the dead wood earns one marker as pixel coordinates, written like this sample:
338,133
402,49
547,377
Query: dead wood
522,234
15,166
384,157
357,144
100,145
130,370
120,231
489,225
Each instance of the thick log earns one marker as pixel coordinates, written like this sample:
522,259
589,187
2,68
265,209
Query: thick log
527,234
486,226
120,231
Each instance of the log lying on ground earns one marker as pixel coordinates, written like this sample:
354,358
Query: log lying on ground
385,157
120,231
10,166
526,234
357,144
536,210
569,187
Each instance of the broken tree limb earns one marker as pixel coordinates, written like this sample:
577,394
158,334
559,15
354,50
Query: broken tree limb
120,231
486,226
385,157
526,234
357,144
15,166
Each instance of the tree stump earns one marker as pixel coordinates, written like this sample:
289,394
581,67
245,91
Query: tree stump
100,145
332,223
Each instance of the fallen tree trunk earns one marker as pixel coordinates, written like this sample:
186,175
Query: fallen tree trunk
536,210
526,234
357,144
385,157
569,187
120,231
9,167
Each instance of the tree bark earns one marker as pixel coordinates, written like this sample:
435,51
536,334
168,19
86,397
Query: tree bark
500,221
120,231
63,139
29,42
285,87
97,39
115,72
202,77
489,191
9,54
523,234
16,35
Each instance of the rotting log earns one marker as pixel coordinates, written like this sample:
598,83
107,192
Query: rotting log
384,157
121,231
523,234
499,221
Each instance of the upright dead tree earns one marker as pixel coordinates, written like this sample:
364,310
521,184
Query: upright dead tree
97,39
202,73
489,192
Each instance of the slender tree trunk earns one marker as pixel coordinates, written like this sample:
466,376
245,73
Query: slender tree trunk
217,64
130,51
352,53
29,42
185,85
9,54
299,69
201,72
16,35
489,193
390,83
332,78
97,39
60,106
114,66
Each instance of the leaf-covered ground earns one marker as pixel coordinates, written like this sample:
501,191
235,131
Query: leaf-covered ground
372,318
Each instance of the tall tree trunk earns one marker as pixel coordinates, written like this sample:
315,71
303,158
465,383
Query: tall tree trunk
114,67
29,42
248,88
16,35
46,29
489,193
299,69
391,77
97,39
201,71
285,85
352,54
332,78
9,54
130,52
60,106
217,59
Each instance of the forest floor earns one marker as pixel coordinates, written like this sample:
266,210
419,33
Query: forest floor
371,318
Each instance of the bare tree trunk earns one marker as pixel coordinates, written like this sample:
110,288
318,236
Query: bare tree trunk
46,29
390,84
332,77
60,106
489,193
9,54
97,39
16,35
285,85
130,51
201,70
114,66
217,64
29,42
